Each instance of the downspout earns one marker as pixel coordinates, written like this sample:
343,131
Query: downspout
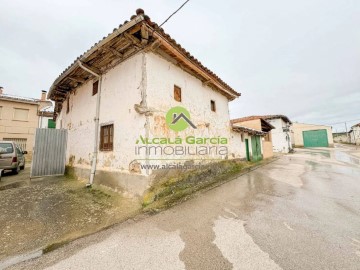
96,119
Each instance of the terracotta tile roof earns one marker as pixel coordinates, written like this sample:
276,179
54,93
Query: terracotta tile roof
356,125
140,17
250,131
265,117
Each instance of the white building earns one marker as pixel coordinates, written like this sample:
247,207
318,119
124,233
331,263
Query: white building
281,139
116,100
355,134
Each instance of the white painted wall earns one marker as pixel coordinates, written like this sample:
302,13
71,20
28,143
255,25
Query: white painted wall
280,139
162,75
122,88
120,91
43,121
355,135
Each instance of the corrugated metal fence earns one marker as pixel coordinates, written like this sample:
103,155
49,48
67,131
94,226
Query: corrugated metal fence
49,152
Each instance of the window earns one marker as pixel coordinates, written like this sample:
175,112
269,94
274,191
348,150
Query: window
242,137
106,138
68,105
51,123
21,114
95,88
6,148
177,93
213,105
0,111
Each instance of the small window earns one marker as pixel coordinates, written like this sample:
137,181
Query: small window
95,88
68,105
106,138
177,93
242,137
51,123
213,105
21,114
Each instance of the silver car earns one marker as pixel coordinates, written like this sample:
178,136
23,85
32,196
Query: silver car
11,157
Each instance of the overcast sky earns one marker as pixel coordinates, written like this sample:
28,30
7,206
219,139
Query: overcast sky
298,58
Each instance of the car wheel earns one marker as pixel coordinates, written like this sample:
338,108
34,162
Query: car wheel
17,170
22,167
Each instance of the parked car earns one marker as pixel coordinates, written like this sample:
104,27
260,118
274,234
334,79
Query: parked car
11,157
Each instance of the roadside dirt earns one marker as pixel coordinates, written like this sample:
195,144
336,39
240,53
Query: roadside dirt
42,213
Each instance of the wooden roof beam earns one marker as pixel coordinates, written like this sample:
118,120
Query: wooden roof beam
77,79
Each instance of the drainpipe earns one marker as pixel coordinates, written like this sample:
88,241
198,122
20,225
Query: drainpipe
96,119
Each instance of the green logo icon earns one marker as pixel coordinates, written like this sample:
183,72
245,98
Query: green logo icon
178,119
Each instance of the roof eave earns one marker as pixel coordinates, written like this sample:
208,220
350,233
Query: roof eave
101,43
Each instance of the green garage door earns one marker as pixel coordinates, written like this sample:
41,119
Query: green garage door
315,138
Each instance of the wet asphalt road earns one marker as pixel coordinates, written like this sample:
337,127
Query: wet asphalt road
299,212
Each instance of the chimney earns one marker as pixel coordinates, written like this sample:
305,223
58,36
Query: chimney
43,95
1,90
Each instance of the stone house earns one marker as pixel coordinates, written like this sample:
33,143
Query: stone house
19,118
137,100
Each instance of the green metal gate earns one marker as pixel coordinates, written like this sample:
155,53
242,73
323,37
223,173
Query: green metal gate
256,148
315,138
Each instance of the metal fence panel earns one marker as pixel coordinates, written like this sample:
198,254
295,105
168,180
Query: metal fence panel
49,152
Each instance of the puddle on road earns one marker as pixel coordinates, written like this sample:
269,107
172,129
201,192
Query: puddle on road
343,157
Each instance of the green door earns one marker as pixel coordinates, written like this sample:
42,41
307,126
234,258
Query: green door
315,138
256,148
247,149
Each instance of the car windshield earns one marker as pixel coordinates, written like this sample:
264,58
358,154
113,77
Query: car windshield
6,148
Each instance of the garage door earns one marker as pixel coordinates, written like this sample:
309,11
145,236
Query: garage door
315,138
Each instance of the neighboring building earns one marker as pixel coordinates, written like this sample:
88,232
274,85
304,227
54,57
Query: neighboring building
280,135
248,141
354,134
341,137
140,72
309,135
259,124
46,117
19,118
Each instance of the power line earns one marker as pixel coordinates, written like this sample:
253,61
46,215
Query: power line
175,12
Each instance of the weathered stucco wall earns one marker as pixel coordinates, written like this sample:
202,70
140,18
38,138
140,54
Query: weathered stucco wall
120,91
298,128
162,75
254,124
146,80
267,148
280,139
355,135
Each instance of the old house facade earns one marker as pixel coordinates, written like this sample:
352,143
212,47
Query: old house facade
19,118
280,134
120,101
260,125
